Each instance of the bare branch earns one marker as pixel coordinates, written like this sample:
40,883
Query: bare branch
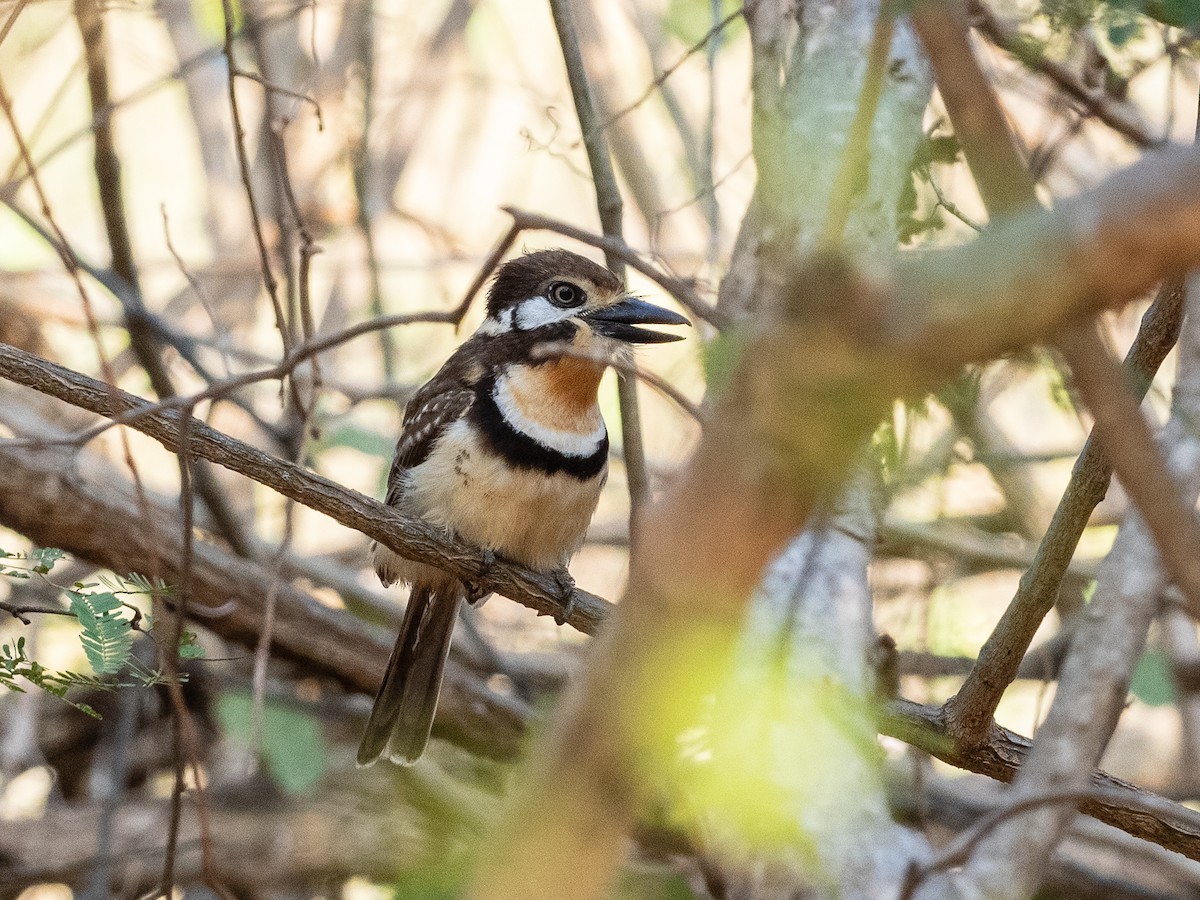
413,538
610,207
1121,117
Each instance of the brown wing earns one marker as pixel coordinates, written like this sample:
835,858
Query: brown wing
435,406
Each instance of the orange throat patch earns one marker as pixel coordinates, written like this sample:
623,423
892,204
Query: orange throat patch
559,394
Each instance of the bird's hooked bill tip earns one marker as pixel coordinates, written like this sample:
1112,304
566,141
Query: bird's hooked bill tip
620,321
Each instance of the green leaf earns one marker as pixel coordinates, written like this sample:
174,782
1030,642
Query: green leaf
87,710
188,647
107,637
1152,681
293,747
46,557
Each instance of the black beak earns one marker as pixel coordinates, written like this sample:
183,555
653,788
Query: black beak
620,321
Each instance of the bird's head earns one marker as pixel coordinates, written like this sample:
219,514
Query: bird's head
563,295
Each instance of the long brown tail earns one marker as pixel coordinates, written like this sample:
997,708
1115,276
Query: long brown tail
403,712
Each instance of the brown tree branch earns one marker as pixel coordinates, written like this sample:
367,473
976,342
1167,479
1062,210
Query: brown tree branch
776,446
1120,116
1143,814
1007,186
972,707
414,538
1095,675
36,484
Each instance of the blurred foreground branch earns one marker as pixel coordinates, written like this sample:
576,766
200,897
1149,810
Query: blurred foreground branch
777,446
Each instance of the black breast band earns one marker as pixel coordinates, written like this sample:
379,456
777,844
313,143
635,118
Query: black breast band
522,451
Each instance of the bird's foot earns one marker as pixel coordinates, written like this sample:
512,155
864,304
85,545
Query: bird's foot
566,594
475,588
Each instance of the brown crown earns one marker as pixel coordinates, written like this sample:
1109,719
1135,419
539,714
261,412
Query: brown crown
522,278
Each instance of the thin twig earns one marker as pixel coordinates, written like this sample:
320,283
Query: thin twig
1133,810
1121,117
221,389
362,172
1135,456
197,288
22,611
945,203
185,344
12,19
170,654
144,339
70,262
489,266
1007,186
308,249
709,190
676,287
670,70
286,92
959,850
610,207
239,143
170,80
709,153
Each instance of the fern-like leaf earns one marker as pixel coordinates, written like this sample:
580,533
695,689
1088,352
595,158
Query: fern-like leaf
107,637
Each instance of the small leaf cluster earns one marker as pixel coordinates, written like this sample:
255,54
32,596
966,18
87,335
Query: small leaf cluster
43,559
107,625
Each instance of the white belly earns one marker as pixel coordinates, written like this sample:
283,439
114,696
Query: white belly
524,515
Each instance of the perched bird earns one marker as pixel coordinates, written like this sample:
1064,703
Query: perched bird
504,447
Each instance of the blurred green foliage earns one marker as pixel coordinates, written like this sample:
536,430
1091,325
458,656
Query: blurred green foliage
291,742
1152,681
209,16
691,20
720,358
1120,21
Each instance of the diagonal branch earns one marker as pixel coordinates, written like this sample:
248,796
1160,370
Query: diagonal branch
227,592
411,537
1122,117
1131,809
1007,186
971,709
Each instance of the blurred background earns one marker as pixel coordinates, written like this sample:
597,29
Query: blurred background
380,140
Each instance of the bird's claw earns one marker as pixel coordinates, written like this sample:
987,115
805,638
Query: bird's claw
566,594
486,563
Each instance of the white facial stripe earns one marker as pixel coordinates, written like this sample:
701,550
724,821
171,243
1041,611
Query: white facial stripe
493,326
539,311
569,443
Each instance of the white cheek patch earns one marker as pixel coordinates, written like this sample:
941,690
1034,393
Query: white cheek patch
537,311
568,443
499,325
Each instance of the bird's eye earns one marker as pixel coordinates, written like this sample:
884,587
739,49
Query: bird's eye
565,294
